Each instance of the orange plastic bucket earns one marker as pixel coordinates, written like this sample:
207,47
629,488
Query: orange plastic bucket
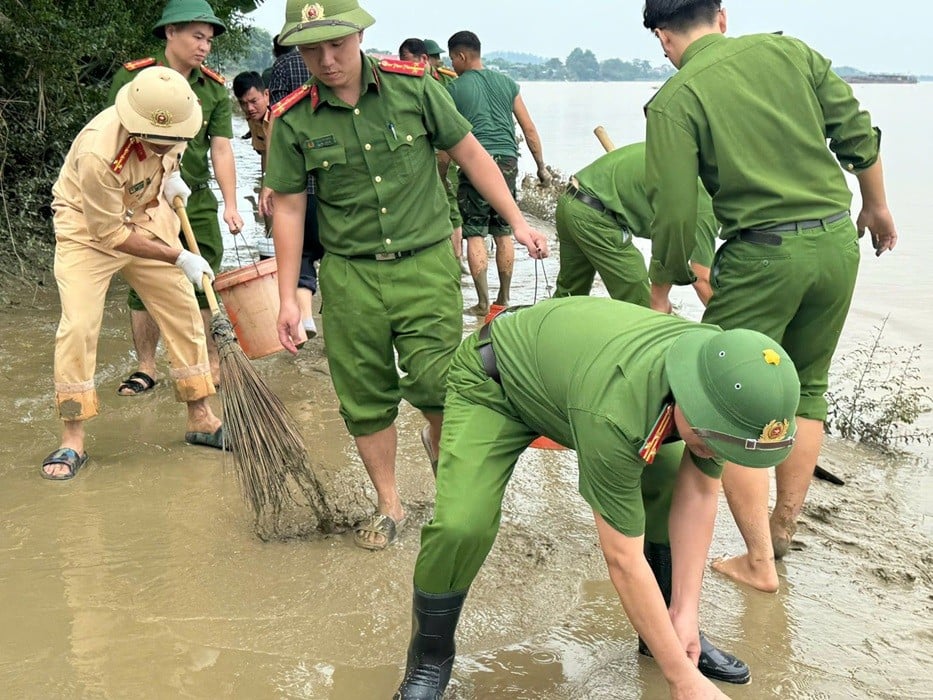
541,443
251,299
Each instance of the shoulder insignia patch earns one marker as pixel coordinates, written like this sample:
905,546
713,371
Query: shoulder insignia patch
213,75
391,65
132,144
139,63
293,98
446,71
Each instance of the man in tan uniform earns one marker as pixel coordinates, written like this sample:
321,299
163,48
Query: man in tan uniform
112,214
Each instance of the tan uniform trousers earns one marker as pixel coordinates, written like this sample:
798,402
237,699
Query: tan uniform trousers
83,275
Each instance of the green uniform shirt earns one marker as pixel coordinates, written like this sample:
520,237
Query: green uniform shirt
377,184
751,117
617,179
590,373
217,115
486,98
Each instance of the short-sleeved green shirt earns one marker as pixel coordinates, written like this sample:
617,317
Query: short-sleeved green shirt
374,164
217,118
590,373
617,179
486,98
751,116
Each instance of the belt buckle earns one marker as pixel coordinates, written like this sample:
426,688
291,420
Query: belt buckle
385,256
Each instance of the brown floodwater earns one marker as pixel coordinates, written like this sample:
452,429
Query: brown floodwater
144,578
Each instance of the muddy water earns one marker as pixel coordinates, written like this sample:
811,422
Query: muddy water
143,577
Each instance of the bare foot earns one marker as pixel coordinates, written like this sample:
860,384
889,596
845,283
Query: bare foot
478,310
781,536
760,575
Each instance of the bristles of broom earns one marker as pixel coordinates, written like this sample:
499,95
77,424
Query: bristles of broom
265,442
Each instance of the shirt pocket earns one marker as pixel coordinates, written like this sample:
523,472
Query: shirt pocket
406,144
328,164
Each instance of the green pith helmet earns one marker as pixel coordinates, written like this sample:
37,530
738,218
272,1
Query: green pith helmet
184,11
739,391
310,23
432,47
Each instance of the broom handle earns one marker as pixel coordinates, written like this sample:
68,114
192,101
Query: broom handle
604,138
179,206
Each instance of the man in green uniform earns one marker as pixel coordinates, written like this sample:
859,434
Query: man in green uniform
367,130
489,99
751,116
604,206
188,28
416,50
434,51
628,389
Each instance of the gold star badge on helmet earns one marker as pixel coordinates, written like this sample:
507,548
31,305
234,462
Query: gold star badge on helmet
775,431
309,13
162,117
771,357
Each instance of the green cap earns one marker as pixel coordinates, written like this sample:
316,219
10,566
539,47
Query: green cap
310,23
739,391
432,47
184,11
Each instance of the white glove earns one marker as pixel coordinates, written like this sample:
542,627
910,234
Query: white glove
194,267
176,187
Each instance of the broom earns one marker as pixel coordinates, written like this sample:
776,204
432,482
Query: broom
259,431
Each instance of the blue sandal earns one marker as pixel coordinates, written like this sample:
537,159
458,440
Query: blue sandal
67,457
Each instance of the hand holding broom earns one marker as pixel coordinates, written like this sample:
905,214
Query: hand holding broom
265,441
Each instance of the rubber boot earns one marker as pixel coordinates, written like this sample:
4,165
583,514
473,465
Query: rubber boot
714,663
431,651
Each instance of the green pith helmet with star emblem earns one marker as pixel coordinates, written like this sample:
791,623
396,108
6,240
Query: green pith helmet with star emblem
739,391
310,23
184,11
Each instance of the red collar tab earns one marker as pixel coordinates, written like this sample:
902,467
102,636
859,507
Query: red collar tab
391,65
132,145
663,427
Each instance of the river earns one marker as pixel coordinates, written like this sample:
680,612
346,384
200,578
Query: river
143,577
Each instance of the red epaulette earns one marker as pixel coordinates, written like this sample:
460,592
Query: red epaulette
662,428
293,98
391,65
139,63
132,144
213,75
446,71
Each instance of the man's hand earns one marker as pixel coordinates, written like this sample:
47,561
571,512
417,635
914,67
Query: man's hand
233,220
266,201
544,176
194,267
687,628
660,298
533,240
696,688
173,187
880,224
289,324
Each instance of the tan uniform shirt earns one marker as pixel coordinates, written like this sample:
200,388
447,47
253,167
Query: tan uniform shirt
98,202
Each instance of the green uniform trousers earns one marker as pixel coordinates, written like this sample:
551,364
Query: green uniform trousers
591,242
377,308
202,212
482,439
451,187
797,292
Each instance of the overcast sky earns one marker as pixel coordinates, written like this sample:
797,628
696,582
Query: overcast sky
872,35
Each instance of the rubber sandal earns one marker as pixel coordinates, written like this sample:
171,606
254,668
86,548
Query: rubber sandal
426,441
379,524
67,457
215,439
138,383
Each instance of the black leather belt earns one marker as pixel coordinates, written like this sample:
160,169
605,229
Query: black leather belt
487,355
770,234
389,256
582,196
200,186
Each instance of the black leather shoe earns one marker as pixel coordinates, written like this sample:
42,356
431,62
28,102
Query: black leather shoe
714,663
